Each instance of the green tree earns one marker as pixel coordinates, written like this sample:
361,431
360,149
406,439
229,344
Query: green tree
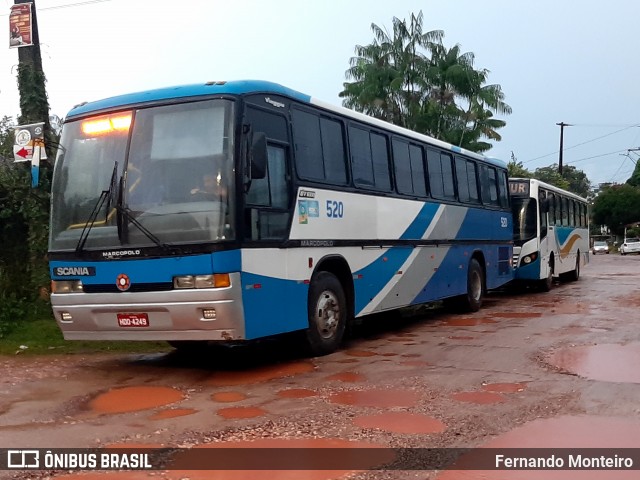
386,81
634,179
411,79
6,137
516,169
550,175
578,181
617,206
447,76
572,179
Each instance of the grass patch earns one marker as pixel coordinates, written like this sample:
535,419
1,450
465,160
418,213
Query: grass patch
43,336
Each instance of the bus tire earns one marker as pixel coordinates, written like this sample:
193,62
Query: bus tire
472,301
574,275
546,284
327,309
189,347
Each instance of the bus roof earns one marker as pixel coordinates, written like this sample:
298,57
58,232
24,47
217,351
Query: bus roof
243,87
553,188
237,87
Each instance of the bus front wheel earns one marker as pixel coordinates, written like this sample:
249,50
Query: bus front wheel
547,283
327,314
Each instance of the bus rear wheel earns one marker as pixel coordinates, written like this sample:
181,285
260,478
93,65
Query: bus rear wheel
574,275
475,287
327,314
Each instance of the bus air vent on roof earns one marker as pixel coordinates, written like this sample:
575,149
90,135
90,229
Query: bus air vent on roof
222,82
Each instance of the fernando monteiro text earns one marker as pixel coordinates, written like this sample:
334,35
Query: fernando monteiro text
569,461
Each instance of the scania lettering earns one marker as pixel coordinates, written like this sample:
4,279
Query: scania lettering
75,271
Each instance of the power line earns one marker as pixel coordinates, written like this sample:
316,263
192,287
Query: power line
582,143
623,162
77,4
595,156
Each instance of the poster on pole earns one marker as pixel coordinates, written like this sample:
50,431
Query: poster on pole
20,26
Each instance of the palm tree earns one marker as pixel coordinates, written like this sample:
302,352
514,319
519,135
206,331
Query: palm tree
481,98
386,74
448,75
411,79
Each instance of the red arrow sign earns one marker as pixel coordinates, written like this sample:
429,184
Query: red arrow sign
23,152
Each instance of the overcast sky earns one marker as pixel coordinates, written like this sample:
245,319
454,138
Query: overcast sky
573,61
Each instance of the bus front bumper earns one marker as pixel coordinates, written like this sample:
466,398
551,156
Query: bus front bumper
190,314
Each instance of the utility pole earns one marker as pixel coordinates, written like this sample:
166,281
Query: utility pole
34,105
562,125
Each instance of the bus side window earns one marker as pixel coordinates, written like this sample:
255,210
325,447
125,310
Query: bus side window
441,175
467,181
369,159
503,191
409,168
551,199
489,185
319,148
272,194
565,212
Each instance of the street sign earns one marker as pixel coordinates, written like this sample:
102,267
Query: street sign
29,147
26,138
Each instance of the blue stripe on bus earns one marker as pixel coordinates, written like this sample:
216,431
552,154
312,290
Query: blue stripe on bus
377,274
416,230
486,224
154,269
233,88
383,269
563,233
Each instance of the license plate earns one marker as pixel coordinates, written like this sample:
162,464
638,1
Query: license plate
133,320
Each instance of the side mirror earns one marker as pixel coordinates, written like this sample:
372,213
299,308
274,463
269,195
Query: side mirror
258,156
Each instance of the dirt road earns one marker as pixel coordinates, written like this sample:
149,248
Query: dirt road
557,369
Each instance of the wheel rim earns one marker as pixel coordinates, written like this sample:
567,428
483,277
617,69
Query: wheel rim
475,286
327,316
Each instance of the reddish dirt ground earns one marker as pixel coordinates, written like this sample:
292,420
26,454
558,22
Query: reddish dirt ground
555,370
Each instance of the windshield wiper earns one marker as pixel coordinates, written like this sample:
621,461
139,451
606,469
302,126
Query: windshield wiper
105,195
128,215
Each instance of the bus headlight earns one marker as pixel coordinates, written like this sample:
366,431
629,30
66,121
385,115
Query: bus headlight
527,259
66,286
217,280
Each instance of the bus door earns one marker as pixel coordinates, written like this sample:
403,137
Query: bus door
270,297
267,200
546,207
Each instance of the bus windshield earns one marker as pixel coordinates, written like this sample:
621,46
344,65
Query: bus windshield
170,169
525,225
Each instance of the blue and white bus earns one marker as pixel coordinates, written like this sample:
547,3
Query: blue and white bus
551,232
317,215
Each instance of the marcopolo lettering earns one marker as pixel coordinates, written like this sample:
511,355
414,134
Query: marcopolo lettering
75,271
121,253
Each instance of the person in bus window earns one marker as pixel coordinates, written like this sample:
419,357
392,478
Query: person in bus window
211,188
